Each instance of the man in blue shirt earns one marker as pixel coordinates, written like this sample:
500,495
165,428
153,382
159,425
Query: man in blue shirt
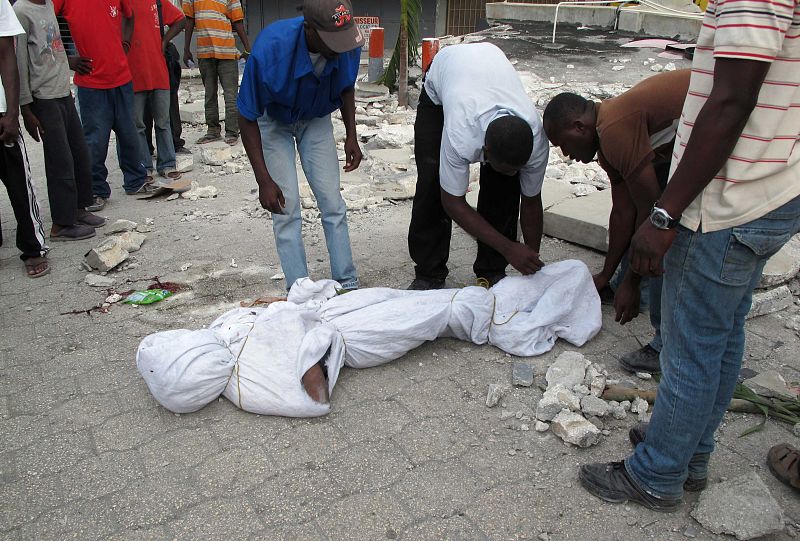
299,72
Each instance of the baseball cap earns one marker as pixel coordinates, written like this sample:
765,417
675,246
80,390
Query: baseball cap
335,23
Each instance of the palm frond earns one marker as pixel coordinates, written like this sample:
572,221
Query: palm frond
410,15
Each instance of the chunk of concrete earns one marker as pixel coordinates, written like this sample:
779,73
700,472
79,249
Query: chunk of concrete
184,163
393,136
783,266
554,192
119,226
573,428
392,155
742,506
770,384
98,280
595,407
522,375
494,393
197,192
556,398
195,112
107,255
569,370
581,220
215,153
770,301
595,380
131,241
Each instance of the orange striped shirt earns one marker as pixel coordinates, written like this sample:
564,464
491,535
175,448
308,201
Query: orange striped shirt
212,25
763,171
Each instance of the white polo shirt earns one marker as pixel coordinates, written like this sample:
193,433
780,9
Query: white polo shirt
763,171
9,27
476,84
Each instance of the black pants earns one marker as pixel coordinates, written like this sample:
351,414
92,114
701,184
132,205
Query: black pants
15,172
431,227
174,68
66,159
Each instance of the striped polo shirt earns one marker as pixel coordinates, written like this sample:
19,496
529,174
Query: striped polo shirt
763,171
212,25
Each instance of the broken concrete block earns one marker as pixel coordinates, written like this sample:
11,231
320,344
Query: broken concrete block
580,390
184,163
617,411
769,301
131,241
107,255
231,168
197,192
393,136
581,220
770,384
573,428
569,370
522,375
783,266
494,394
742,506
215,153
97,280
119,226
556,398
595,380
591,406
195,112
392,155
639,405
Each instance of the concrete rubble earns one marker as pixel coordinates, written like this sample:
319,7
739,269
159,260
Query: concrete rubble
770,384
770,301
568,370
494,394
573,428
522,375
742,507
119,226
98,280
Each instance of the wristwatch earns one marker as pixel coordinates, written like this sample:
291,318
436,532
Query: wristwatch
661,219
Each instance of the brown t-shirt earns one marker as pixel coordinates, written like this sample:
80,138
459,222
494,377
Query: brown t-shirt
639,126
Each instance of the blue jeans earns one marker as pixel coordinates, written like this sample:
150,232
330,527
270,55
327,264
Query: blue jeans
651,297
320,162
158,100
707,293
102,111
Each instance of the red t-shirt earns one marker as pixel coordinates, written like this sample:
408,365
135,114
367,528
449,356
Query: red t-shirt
148,66
96,28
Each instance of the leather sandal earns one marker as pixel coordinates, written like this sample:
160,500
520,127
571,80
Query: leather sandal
783,461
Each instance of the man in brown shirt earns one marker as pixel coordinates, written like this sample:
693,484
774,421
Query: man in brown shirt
632,136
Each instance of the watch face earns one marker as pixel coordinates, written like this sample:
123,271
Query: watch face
659,220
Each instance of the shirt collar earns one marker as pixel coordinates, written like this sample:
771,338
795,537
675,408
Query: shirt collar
302,60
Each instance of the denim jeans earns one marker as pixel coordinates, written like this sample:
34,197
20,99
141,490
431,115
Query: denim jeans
102,111
707,293
159,107
651,298
318,156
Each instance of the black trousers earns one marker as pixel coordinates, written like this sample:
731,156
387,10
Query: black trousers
66,159
15,172
431,228
174,68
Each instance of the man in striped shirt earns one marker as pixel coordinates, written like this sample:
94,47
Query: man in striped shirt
732,201
217,56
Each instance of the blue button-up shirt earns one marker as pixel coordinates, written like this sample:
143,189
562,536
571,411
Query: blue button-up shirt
279,78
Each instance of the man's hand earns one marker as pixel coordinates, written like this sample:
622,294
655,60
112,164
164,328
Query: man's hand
352,154
600,281
271,197
80,64
9,129
523,258
187,57
32,124
648,247
626,301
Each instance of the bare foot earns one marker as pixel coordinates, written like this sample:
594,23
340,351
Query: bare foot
316,385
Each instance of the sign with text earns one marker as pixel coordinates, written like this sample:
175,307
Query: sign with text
366,24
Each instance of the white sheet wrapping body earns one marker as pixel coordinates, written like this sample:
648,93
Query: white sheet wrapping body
256,357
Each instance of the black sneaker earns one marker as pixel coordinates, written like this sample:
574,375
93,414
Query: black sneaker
610,482
637,434
641,360
424,284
